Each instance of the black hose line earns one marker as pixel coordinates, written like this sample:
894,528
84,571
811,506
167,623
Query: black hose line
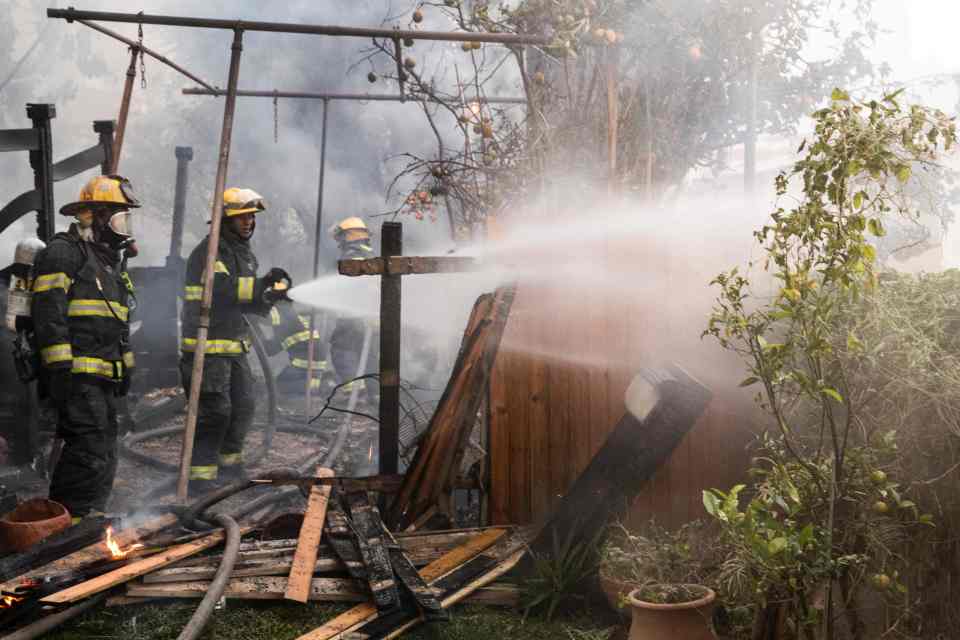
218,585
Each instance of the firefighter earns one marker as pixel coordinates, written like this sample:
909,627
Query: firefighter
80,310
226,394
346,342
291,333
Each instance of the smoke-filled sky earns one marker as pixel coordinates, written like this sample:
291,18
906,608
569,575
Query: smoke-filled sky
82,73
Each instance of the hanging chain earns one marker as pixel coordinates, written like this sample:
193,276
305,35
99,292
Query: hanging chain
276,118
143,66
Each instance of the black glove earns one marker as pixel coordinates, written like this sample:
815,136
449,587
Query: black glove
59,384
272,296
123,386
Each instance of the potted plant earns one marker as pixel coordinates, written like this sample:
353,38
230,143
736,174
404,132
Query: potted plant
659,577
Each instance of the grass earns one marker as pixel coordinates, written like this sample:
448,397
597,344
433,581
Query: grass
286,621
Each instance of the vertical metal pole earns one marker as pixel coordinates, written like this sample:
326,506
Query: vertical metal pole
124,109
213,244
316,253
613,114
391,244
104,128
41,161
184,156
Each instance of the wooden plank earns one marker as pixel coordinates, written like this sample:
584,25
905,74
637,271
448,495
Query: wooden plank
409,577
305,559
499,449
93,553
539,435
369,529
135,569
88,531
362,613
256,588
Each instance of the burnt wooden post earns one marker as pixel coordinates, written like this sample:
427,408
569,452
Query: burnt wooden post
41,161
391,244
104,128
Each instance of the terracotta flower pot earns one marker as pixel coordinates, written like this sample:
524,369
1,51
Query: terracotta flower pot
616,592
687,620
31,522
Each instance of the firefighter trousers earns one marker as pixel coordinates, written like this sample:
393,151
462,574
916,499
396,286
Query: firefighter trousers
225,414
84,475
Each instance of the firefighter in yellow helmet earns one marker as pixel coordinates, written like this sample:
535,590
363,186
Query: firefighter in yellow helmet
226,395
346,341
81,319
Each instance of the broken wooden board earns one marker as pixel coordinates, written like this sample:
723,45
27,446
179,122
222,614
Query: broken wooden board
96,552
453,587
663,406
495,595
435,467
363,613
409,577
136,569
344,543
259,588
305,558
88,531
369,531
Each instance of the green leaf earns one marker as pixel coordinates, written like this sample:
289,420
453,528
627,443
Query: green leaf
869,252
840,95
806,535
777,545
712,504
876,227
749,381
904,172
858,200
832,393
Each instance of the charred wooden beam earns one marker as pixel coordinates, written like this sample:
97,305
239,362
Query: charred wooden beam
369,530
406,265
257,588
663,405
410,578
384,483
88,531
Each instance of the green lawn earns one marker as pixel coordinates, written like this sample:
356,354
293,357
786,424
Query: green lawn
285,621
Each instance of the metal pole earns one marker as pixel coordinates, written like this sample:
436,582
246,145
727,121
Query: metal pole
213,244
146,50
124,110
105,128
750,142
184,156
391,244
364,97
71,15
41,161
316,252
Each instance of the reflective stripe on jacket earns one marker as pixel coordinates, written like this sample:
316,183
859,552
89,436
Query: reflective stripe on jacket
80,308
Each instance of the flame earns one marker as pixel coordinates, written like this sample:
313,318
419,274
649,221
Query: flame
8,601
114,546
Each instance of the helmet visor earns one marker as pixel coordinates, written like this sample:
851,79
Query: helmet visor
121,223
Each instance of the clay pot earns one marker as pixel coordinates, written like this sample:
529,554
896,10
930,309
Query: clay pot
687,620
31,522
616,592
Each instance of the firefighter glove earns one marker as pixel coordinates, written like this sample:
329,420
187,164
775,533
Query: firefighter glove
275,276
59,386
123,386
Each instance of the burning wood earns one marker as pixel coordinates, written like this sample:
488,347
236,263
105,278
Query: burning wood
8,601
116,551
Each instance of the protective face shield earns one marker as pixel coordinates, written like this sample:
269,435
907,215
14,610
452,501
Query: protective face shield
121,224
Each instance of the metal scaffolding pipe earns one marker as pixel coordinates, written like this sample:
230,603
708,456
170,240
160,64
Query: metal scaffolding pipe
150,52
213,244
316,255
71,15
365,97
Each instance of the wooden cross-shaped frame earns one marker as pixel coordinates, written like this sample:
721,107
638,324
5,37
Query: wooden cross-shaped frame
391,266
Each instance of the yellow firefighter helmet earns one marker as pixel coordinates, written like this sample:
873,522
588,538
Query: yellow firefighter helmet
103,191
237,201
350,229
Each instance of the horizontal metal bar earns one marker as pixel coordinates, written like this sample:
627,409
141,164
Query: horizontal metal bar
406,265
150,52
289,27
78,163
19,140
309,95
